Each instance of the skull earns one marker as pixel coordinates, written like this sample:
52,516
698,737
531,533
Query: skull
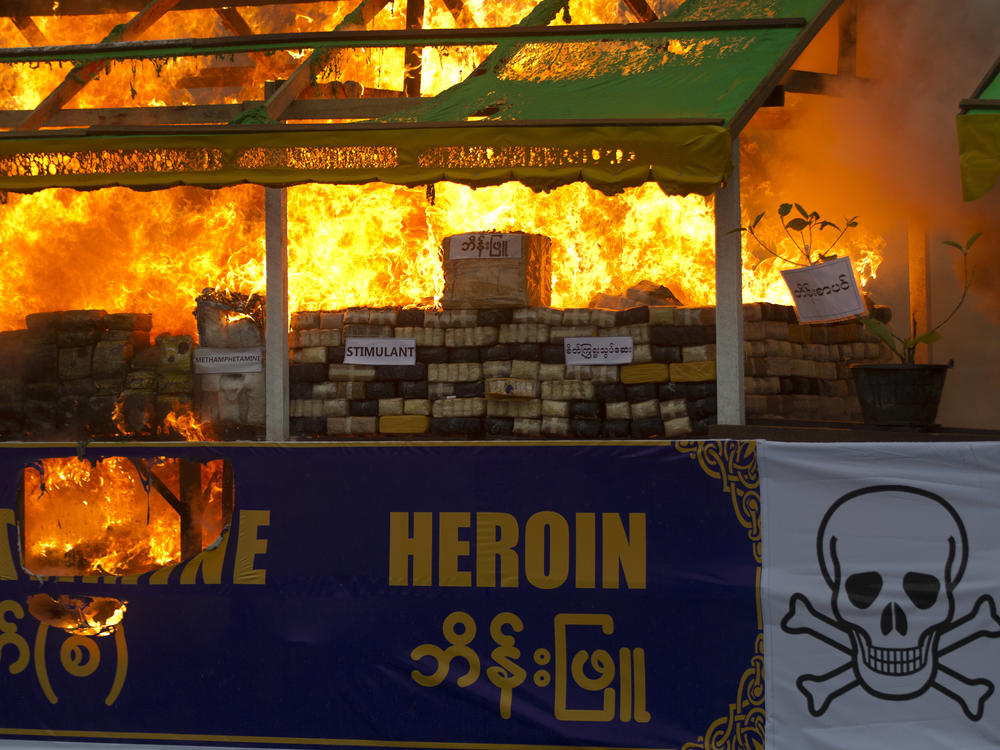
893,608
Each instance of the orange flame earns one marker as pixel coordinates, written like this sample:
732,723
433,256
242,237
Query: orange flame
98,519
369,245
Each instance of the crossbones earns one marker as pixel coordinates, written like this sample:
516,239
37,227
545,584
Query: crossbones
820,690
893,621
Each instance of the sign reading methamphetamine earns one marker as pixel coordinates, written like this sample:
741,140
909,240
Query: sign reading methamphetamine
825,292
467,246
598,350
380,351
207,360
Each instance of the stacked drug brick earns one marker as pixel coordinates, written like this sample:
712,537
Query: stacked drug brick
501,373
80,374
803,371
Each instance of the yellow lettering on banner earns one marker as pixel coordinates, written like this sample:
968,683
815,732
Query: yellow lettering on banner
161,577
403,546
496,535
8,570
627,551
586,550
249,545
452,548
550,526
209,561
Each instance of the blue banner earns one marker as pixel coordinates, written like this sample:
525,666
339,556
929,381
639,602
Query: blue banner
459,596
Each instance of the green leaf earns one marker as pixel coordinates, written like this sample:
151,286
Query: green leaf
824,224
805,214
952,243
880,329
784,209
797,225
971,241
927,338
757,220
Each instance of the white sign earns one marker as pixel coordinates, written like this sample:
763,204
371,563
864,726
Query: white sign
380,351
880,596
598,350
464,246
250,359
824,292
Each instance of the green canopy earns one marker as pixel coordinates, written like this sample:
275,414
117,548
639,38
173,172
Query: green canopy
979,137
614,108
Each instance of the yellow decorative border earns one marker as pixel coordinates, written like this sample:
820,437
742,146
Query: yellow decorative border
735,464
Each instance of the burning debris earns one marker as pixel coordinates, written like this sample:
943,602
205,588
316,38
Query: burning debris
119,516
79,615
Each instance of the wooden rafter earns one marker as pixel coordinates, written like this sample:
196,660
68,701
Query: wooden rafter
29,30
9,8
234,21
83,74
327,101
412,55
301,78
460,12
237,24
641,10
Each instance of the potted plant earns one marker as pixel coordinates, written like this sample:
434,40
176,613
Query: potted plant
903,393
906,393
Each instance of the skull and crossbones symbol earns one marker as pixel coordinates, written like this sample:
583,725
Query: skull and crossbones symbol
893,621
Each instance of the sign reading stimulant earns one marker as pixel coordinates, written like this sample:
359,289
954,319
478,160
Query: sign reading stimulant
466,246
380,351
598,350
825,292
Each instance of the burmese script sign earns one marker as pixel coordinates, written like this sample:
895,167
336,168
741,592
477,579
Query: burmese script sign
465,246
598,350
825,292
494,596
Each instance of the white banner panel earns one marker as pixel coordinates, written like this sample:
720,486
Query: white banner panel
207,360
881,579
824,292
379,351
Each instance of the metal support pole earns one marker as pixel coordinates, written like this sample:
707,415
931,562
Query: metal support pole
276,323
729,299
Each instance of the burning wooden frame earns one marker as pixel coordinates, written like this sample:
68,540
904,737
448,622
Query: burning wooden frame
119,518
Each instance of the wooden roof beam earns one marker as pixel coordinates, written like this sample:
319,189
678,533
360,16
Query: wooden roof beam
337,104
301,78
10,8
80,76
641,10
29,30
460,12
412,56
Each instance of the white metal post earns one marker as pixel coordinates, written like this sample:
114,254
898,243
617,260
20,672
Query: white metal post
729,299
276,323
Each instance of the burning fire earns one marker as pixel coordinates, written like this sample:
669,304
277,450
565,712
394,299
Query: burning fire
107,519
370,245
82,615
